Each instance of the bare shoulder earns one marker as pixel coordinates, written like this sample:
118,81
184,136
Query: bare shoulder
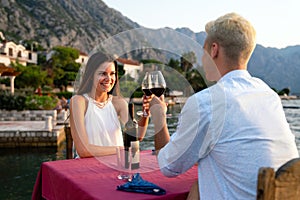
78,99
78,103
119,103
121,107
119,100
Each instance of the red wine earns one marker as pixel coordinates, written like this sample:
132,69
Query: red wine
147,92
157,91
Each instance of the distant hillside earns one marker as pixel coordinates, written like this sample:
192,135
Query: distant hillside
76,23
279,68
84,23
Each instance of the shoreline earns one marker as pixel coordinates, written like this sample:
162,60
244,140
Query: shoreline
288,97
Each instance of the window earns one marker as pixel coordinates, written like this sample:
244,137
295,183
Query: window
10,52
29,56
19,54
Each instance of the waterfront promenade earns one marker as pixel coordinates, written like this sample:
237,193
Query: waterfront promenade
32,129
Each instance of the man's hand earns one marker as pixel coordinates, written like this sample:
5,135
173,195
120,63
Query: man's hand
158,110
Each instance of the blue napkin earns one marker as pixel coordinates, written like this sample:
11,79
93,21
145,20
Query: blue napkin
137,184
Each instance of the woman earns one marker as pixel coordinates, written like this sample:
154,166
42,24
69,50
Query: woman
97,109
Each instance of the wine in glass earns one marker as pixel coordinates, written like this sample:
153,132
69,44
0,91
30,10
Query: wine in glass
157,83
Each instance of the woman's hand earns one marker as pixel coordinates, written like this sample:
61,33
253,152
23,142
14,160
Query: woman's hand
146,105
143,121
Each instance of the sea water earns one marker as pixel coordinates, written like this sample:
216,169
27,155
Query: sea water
19,167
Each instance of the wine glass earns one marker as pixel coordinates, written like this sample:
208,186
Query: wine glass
124,162
157,83
146,90
145,85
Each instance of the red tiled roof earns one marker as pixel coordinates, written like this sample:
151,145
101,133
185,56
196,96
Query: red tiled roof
7,71
127,61
83,53
10,73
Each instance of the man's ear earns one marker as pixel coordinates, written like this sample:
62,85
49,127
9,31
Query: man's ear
214,50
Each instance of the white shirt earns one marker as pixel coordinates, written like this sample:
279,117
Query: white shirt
231,130
102,124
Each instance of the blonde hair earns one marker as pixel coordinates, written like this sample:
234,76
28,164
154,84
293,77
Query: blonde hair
235,34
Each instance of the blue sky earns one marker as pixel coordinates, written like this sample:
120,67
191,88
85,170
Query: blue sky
277,22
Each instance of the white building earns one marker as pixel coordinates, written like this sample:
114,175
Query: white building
83,57
131,68
11,52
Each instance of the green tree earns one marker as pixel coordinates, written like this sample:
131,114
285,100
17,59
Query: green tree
62,67
128,88
196,80
284,91
31,76
121,70
147,61
175,64
32,45
187,60
185,67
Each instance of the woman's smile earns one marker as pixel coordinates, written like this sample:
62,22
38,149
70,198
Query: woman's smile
105,77
106,86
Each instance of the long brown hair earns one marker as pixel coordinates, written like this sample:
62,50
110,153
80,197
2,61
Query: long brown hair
92,65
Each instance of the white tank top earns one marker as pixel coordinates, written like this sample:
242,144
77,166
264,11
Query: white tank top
102,124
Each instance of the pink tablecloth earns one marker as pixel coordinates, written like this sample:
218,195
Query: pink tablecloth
89,178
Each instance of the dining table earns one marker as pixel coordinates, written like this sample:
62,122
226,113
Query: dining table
96,178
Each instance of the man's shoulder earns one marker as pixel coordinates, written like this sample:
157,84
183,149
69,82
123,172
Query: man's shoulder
199,98
203,94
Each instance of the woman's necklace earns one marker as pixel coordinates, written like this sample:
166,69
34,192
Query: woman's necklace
102,104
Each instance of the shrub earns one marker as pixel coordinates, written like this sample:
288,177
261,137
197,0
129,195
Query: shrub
26,102
12,102
67,95
35,102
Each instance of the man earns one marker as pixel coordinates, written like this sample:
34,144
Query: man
230,129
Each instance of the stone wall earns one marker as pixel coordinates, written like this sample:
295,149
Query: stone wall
32,128
30,115
34,138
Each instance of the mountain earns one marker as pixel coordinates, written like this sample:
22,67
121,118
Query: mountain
279,68
83,24
76,23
